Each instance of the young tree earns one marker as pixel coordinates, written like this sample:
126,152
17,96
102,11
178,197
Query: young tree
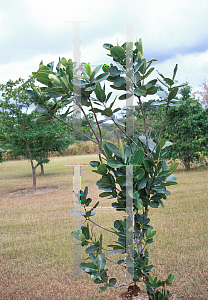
21,135
135,175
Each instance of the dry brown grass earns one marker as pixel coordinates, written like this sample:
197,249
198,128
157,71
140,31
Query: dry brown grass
78,148
36,259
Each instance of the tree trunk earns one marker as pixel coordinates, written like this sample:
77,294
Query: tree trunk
187,165
34,177
32,165
42,169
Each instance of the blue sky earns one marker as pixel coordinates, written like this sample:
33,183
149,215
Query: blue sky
171,31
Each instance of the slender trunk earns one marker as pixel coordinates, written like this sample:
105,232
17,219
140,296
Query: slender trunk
32,165
41,165
42,169
34,178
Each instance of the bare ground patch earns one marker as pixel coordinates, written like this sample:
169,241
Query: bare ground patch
31,191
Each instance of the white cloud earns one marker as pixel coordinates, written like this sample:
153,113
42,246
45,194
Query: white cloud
192,68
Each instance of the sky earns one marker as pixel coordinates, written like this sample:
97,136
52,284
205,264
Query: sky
171,31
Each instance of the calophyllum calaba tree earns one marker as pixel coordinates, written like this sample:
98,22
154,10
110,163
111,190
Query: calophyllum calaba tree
140,160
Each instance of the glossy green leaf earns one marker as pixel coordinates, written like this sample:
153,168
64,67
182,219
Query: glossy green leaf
143,68
101,261
112,282
119,81
149,234
139,91
175,71
138,203
163,83
102,169
137,77
152,90
171,178
105,194
54,79
114,163
88,267
151,144
138,156
94,164
100,94
91,88
159,189
100,77
107,112
168,81
121,261
172,93
117,53
85,231
42,76
139,47
41,109
147,73
121,180
127,152
140,174
107,46
113,149
44,119
92,257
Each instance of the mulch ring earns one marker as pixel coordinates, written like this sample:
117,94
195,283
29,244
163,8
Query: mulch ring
133,293
31,191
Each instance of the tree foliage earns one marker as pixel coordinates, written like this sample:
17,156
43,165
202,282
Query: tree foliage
135,175
21,135
187,128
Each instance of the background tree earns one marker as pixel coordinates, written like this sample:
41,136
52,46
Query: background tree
83,126
187,128
1,155
21,135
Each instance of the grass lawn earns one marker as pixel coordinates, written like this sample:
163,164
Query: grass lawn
36,256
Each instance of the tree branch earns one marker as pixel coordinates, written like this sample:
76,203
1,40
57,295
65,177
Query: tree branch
125,133
145,125
96,119
76,130
99,142
105,228
114,262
